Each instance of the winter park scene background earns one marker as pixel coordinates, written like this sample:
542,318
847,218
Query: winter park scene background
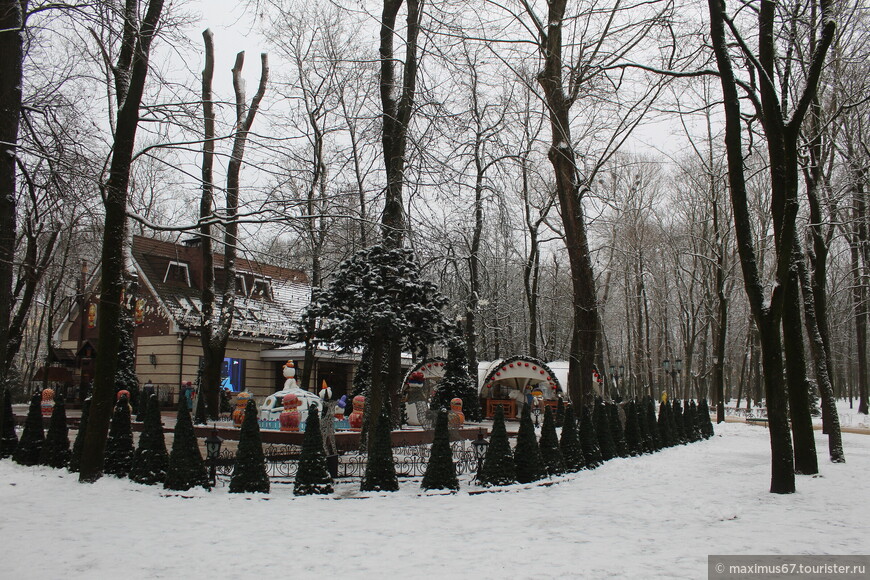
480,289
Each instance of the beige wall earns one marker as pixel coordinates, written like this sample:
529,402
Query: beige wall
260,376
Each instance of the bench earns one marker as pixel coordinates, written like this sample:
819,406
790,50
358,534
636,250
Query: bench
757,421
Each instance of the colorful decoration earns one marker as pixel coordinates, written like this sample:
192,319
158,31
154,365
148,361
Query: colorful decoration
455,418
92,315
356,418
47,402
124,393
340,408
139,312
289,374
290,417
239,412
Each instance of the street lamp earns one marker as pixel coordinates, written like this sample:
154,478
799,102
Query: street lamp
536,409
212,451
479,445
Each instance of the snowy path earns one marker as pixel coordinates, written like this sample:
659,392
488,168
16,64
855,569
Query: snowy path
656,516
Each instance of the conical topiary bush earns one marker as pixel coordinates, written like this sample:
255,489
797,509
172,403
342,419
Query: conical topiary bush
569,444
554,463
589,440
606,444
633,436
119,445
498,464
527,453
186,468
664,424
692,422
55,449
560,413
677,426
380,472
249,471
29,446
706,422
645,434
313,474
79,443
199,415
616,432
8,437
151,460
440,471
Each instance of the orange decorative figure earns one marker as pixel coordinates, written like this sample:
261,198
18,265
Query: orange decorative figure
455,418
124,393
239,412
290,417
356,418
47,402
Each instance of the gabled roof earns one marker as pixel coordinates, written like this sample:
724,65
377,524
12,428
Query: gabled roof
269,317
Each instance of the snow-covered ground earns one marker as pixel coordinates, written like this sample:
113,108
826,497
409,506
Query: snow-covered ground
656,516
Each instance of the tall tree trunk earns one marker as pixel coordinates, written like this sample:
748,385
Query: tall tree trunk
397,102
12,15
569,191
215,338
115,194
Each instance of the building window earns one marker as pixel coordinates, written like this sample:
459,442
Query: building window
241,285
233,374
262,288
177,272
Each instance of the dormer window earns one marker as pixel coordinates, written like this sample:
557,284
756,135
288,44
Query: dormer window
241,285
262,288
177,272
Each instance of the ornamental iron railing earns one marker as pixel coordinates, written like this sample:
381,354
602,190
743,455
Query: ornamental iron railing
282,461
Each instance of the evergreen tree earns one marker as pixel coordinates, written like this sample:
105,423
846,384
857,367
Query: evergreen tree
692,422
457,382
706,423
125,376
554,463
677,425
79,443
199,417
119,445
560,412
664,425
186,468
313,474
645,435
380,472
569,444
652,425
151,460
440,471
55,450
589,440
498,465
249,471
30,446
8,437
633,436
616,431
606,444
527,453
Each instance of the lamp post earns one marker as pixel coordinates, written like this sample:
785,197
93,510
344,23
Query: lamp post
212,451
674,372
616,373
719,379
536,409
479,445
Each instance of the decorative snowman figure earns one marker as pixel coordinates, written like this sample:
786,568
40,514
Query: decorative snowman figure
47,405
289,374
239,412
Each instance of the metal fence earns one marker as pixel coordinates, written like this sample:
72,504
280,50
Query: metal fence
282,461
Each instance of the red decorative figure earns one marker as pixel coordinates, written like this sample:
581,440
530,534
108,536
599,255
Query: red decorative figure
239,412
356,418
47,402
290,417
455,418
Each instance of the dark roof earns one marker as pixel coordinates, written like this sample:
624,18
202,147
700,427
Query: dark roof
271,317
